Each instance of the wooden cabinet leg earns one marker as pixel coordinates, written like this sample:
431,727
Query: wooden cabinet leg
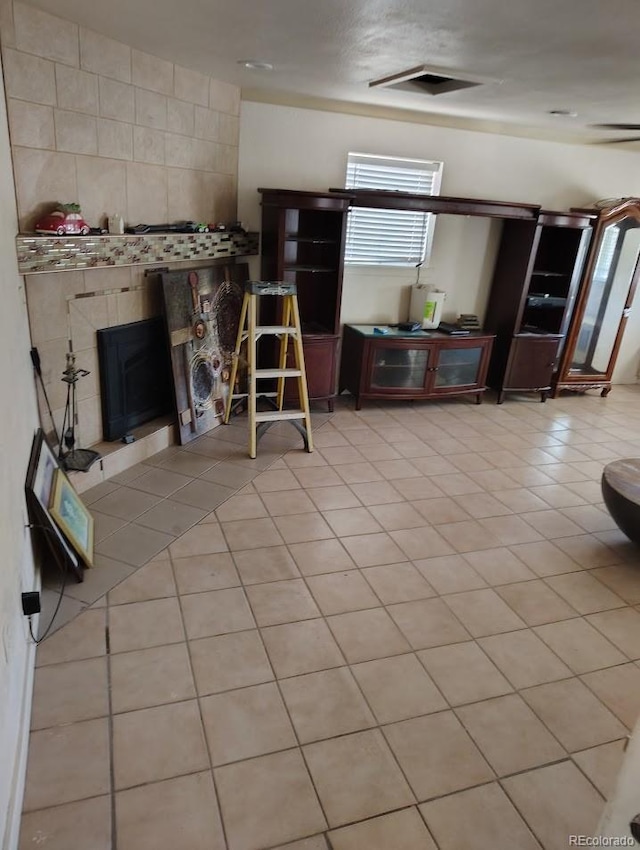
478,398
543,397
330,405
500,397
605,392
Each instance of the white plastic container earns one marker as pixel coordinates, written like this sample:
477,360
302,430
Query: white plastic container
115,225
426,305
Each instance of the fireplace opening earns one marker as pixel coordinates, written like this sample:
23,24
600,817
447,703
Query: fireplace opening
135,376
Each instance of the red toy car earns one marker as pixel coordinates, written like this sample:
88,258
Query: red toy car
61,223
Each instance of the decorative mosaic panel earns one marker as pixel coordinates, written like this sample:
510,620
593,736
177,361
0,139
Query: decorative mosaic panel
202,311
39,254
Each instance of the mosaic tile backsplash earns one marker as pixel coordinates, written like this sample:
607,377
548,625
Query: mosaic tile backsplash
40,254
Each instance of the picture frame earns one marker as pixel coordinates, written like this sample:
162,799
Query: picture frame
72,517
41,470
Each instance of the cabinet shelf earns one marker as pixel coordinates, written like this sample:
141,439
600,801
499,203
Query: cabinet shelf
312,269
315,328
312,240
533,330
545,302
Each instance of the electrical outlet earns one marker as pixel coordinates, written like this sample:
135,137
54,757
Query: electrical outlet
31,603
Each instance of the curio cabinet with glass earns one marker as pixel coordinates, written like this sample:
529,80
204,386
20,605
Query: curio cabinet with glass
604,300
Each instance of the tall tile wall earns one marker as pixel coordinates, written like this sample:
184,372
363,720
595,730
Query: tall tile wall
119,131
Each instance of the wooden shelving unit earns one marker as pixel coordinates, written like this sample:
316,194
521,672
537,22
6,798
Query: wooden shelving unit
303,235
535,282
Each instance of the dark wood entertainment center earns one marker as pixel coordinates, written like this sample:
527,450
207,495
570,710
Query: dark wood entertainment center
537,281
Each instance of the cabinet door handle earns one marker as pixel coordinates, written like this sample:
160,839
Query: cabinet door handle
432,368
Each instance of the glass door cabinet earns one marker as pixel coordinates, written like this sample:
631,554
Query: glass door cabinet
604,300
389,363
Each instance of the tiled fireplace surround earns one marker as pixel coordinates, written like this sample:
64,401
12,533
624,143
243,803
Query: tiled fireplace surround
117,130
60,309
61,313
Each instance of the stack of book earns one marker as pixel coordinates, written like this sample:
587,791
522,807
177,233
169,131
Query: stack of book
468,322
451,329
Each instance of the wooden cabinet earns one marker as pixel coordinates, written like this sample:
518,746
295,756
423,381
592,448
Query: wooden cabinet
418,365
533,293
604,301
531,363
303,235
321,365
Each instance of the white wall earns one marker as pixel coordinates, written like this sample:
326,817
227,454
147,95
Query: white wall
17,425
292,148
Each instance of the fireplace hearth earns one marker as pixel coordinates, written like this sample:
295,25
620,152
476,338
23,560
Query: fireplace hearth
135,376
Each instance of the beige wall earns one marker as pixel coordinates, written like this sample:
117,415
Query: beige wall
296,148
17,426
119,131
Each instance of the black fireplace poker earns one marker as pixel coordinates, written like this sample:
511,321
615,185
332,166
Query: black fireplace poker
70,457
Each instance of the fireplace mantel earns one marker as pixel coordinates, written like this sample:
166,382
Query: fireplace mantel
45,254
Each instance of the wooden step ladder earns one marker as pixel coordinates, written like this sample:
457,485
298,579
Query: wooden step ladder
250,332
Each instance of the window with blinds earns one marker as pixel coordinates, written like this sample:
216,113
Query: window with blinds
378,237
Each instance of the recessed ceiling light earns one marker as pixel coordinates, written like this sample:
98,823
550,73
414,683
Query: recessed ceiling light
255,64
563,113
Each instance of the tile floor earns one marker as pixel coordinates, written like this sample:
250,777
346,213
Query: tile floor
426,634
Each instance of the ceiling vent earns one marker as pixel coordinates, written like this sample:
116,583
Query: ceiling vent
428,80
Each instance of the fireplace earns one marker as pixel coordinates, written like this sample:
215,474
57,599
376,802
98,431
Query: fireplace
135,376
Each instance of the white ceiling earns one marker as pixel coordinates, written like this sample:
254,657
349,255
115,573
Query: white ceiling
537,55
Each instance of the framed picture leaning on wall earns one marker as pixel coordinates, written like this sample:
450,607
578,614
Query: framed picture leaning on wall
39,482
73,519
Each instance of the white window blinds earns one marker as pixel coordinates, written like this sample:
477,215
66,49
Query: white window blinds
390,237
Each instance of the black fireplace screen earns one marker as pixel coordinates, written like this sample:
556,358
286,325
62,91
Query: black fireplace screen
135,376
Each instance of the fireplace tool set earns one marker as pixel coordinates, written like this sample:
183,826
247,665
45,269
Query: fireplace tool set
70,457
